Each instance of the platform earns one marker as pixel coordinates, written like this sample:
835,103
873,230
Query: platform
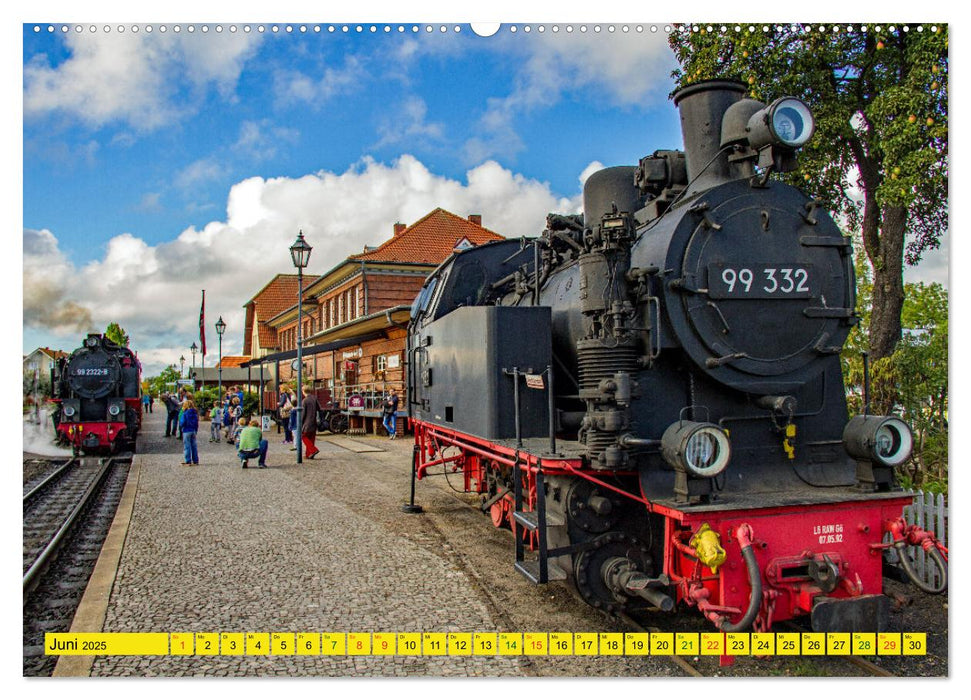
291,548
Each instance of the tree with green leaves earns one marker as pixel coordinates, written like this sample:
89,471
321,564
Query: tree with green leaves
913,381
879,154
164,381
116,334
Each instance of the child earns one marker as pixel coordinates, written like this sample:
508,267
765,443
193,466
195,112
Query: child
240,424
217,422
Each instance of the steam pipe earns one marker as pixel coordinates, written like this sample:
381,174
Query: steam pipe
744,534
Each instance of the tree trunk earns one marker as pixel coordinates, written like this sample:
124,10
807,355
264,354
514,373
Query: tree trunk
888,283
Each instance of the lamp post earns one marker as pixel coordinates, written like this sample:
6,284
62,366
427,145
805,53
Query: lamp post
300,253
181,366
220,329
192,368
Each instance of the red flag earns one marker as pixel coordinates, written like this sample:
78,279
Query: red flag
202,325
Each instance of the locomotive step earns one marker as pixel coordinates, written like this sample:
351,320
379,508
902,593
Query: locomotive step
530,520
530,569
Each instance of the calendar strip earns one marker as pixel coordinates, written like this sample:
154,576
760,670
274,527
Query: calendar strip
484,644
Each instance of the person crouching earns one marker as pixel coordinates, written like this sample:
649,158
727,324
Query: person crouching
251,443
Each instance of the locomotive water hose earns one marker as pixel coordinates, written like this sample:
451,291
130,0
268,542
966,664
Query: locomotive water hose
744,535
908,566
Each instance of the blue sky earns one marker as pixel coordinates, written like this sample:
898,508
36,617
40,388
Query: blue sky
157,164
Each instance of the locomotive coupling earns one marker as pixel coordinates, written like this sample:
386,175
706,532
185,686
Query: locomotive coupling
622,578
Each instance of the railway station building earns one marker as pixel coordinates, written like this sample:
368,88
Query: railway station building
355,316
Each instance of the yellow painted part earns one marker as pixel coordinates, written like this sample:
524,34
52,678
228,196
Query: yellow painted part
707,545
788,444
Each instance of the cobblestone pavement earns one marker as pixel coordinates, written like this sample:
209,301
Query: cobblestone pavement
215,548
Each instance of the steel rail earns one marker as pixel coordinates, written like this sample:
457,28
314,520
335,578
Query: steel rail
33,574
50,478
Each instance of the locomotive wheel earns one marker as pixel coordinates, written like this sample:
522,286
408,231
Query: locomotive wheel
499,512
588,564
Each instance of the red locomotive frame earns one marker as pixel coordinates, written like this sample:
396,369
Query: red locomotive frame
847,535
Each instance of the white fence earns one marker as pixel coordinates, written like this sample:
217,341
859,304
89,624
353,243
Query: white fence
928,513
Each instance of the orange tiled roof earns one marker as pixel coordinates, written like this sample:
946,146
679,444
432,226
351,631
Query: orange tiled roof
278,295
429,240
233,360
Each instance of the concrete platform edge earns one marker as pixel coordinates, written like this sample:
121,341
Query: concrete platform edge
90,615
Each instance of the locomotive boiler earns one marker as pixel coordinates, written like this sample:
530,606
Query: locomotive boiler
97,392
650,395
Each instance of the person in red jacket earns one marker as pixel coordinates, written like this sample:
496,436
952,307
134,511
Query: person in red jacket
308,425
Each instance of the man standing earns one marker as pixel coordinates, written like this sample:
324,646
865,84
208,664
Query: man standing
391,414
172,419
309,423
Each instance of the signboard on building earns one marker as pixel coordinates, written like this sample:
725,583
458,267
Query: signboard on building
351,354
394,361
355,402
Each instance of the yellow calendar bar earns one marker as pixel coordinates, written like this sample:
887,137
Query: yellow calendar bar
106,644
274,644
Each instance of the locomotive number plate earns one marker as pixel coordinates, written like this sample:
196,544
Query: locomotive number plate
762,281
92,372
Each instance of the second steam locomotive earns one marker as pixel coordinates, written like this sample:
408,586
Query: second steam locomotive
97,393
650,394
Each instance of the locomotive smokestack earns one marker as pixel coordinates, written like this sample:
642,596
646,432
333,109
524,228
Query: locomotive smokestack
702,107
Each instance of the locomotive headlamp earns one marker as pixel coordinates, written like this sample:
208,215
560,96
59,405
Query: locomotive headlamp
886,440
614,222
115,408
786,122
70,409
701,449
91,341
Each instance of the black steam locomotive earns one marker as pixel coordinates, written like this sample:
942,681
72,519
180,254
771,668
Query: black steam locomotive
650,394
97,390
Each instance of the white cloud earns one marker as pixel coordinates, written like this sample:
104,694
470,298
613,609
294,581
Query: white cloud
261,140
616,69
134,78
407,123
154,291
199,171
293,86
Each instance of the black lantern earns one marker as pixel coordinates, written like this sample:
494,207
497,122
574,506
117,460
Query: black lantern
220,329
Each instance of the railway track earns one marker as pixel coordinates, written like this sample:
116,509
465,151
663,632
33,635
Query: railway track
66,518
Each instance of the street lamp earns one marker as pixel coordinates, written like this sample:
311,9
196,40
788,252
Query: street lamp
300,253
192,368
181,366
220,329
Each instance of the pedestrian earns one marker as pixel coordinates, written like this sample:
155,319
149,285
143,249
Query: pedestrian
216,427
294,414
172,417
286,410
251,443
308,427
189,425
151,403
146,399
390,409
234,412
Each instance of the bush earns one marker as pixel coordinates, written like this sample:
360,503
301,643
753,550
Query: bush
205,399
